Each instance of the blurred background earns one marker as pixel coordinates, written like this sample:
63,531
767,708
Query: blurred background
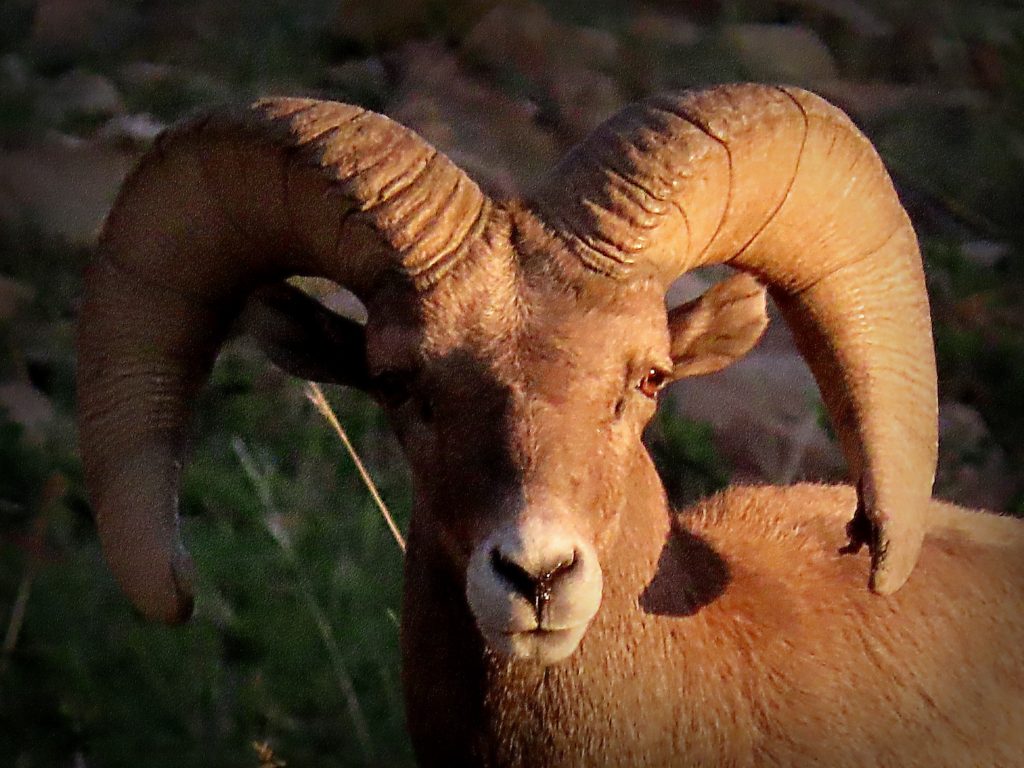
292,656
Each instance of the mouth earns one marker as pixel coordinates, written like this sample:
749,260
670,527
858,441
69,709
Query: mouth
545,646
538,632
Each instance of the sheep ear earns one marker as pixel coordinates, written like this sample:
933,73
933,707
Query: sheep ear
304,338
718,328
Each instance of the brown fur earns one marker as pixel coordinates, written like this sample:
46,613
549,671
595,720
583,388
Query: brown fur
510,343
745,638
734,633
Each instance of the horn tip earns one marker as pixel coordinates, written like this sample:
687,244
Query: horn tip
895,555
171,602
161,586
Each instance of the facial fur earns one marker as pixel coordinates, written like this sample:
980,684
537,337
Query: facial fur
520,429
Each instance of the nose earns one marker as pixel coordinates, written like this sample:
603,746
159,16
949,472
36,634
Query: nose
533,586
535,581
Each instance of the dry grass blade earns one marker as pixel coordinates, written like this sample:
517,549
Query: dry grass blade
17,618
271,519
266,755
316,397
53,491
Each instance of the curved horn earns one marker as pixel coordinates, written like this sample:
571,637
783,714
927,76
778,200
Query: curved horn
778,182
223,204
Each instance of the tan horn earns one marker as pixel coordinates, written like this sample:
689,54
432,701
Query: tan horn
221,205
779,183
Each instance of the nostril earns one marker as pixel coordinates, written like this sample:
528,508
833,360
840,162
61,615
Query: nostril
563,568
517,577
536,588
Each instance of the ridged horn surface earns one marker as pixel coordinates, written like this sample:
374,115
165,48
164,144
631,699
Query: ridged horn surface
778,182
223,204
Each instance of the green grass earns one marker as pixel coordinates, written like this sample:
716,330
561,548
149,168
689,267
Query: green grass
293,635
295,638
685,456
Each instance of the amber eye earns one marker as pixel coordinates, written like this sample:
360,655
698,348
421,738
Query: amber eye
652,382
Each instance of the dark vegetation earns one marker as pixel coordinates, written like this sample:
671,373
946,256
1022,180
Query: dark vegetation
292,655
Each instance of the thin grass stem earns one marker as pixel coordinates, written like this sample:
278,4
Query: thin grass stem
272,522
316,397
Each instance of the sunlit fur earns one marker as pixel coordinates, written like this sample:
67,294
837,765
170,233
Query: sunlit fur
733,633
508,342
737,635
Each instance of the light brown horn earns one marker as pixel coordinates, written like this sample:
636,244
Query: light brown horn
778,182
221,205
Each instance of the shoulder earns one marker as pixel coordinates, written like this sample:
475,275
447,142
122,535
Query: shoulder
800,530
806,512
820,512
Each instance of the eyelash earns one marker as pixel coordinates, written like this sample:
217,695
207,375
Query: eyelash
652,382
649,385
393,389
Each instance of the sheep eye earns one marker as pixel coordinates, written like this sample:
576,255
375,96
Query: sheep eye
652,382
426,410
392,388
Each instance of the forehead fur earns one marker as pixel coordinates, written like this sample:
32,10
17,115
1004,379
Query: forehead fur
520,289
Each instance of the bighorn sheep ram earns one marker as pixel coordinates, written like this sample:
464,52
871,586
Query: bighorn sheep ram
556,612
